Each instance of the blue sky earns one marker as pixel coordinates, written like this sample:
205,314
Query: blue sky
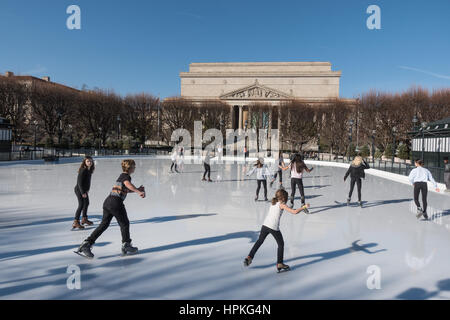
134,46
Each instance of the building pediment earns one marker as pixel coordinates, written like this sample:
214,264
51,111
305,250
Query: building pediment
256,91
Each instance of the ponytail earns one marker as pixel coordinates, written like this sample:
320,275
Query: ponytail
274,201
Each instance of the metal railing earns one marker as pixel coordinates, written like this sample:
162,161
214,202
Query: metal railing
398,167
53,154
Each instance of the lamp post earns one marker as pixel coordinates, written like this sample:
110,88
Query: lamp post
394,131
415,120
424,124
118,127
350,137
373,146
59,127
159,120
136,137
70,139
100,139
245,137
318,146
35,130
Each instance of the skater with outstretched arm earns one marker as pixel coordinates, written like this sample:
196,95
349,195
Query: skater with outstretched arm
419,177
114,207
297,166
82,192
262,172
271,226
356,172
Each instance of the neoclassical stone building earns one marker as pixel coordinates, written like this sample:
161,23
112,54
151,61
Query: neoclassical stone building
245,83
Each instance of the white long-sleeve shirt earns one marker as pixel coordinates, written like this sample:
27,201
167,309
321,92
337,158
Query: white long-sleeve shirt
421,174
261,173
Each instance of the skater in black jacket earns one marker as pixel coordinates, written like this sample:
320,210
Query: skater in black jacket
82,192
114,207
356,172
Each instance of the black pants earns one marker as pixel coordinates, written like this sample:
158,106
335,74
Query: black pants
418,187
262,236
297,182
352,186
112,207
83,204
447,180
207,170
174,163
279,173
264,182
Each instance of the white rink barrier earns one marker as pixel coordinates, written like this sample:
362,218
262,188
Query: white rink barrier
378,173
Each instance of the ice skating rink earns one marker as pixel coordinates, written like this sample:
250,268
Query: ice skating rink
194,235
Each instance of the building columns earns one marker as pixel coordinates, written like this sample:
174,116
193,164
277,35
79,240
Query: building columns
240,117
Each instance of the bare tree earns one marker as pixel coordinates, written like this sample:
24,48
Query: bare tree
178,113
141,115
51,106
298,125
14,97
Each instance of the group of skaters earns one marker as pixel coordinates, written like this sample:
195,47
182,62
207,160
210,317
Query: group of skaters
113,205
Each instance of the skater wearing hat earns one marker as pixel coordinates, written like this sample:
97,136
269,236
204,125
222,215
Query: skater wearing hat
262,172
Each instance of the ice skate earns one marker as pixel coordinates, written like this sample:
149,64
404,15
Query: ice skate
85,221
209,180
305,208
303,201
360,204
76,225
419,213
247,261
281,267
256,198
128,249
85,250
348,201
203,179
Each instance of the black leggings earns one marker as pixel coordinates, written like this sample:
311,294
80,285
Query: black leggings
279,173
297,182
262,236
207,170
174,163
83,204
421,186
352,185
264,182
112,207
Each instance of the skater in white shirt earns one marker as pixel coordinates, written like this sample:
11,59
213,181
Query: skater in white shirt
419,178
262,172
271,226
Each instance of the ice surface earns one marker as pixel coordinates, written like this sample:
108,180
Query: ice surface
194,235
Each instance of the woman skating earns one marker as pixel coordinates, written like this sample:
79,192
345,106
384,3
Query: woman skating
356,172
262,172
419,178
174,158
297,166
279,172
207,166
114,207
271,226
82,192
